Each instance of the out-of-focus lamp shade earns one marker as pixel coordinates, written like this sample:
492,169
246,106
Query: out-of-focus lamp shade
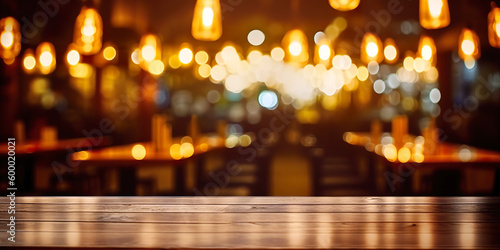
391,52
46,58
149,50
434,14
344,5
371,48
427,49
207,20
468,45
296,47
494,26
323,52
29,61
10,38
88,32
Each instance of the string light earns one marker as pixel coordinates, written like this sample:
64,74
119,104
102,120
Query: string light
434,14
88,32
207,20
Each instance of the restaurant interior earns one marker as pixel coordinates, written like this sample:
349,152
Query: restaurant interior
246,98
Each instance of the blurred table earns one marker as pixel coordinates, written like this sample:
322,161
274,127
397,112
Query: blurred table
256,222
128,158
76,144
446,156
29,154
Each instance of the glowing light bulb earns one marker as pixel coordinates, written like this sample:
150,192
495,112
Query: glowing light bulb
435,8
344,5
185,55
208,16
295,48
434,14
427,49
29,61
7,39
370,48
138,152
469,45
87,36
109,53
323,52
46,55
10,39
390,51
207,20
73,57
149,50
296,43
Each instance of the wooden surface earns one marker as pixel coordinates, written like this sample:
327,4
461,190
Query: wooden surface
257,222
446,155
122,155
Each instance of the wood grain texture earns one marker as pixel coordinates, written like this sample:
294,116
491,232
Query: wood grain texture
257,222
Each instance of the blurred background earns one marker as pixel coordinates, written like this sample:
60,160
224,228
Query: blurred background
240,97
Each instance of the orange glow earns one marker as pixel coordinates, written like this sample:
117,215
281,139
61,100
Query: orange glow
427,49
468,45
391,52
371,48
29,61
207,20
494,26
296,48
10,39
150,50
175,151
404,155
88,32
434,14
390,152
109,52
187,149
138,152
82,155
46,58
344,5
323,52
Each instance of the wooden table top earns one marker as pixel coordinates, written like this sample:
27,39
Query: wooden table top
257,222
122,155
446,154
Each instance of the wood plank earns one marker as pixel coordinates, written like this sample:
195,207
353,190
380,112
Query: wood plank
207,200
262,227
260,208
194,218
257,241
